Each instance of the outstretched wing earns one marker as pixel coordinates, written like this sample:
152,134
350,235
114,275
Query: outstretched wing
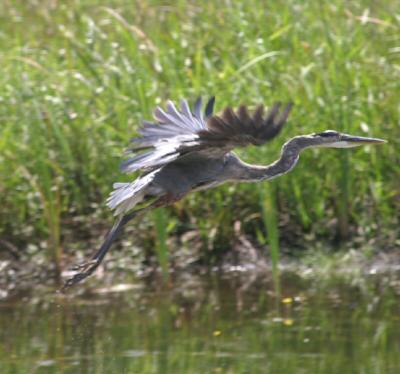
179,133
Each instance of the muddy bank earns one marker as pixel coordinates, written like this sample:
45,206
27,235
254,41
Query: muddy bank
33,275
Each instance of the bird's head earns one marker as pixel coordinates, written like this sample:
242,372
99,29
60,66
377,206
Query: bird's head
334,139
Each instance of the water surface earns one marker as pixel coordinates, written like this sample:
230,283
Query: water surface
213,324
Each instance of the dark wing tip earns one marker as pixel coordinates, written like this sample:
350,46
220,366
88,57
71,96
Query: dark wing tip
275,120
209,107
282,117
243,114
243,127
258,115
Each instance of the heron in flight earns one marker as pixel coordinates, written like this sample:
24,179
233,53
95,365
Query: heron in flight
186,150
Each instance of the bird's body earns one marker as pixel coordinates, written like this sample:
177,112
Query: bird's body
186,151
183,176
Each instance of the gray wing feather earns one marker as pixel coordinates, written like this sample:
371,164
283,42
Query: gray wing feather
186,110
163,152
179,118
197,109
170,124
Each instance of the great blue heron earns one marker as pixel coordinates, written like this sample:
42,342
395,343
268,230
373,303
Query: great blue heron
186,151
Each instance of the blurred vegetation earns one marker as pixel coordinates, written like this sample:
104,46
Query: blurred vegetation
78,76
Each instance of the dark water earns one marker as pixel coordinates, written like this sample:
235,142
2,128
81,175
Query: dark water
208,325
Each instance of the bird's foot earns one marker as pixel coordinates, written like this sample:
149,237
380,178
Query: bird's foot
84,270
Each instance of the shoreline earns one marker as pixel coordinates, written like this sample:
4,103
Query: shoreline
35,277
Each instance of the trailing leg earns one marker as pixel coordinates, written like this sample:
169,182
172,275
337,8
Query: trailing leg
87,268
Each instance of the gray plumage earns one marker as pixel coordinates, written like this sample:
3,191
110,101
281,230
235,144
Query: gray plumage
189,150
184,151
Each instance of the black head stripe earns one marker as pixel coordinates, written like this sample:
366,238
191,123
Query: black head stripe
327,134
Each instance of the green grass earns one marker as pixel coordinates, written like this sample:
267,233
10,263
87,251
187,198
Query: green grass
77,78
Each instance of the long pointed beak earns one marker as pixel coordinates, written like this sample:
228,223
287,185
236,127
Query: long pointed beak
362,140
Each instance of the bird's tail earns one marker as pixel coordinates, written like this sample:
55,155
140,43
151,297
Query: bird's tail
126,195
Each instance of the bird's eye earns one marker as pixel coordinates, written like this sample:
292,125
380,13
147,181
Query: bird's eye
327,134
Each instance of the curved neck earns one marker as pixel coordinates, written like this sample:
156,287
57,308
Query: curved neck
288,160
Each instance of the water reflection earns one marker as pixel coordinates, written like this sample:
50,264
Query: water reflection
207,325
